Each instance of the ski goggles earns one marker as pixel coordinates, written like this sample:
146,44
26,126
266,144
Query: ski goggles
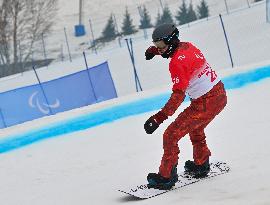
160,45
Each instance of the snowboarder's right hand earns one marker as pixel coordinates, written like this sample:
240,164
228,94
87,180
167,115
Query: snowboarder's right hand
153,122
151,52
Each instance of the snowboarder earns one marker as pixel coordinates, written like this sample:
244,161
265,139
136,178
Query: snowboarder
191,75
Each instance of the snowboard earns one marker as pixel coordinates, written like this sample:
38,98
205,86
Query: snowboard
184,179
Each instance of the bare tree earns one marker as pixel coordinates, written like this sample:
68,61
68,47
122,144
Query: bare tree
4,34
22,24
42,13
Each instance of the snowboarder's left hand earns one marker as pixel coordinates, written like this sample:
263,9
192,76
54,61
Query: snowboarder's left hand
154,121
151,52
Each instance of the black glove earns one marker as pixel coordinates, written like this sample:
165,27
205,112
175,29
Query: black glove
153,122
151,52
150,125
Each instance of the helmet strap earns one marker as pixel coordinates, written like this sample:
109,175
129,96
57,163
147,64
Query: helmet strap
171,49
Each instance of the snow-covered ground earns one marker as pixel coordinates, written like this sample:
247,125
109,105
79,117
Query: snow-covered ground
100,10
248,35
88,166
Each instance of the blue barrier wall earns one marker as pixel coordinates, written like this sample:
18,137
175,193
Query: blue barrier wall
113,113
76,90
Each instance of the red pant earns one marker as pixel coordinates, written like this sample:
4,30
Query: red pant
192,120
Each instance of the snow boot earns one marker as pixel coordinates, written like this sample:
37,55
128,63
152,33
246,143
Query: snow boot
157,181
198,171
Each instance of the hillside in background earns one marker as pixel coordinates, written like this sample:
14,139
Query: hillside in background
99,11
78,159
246,29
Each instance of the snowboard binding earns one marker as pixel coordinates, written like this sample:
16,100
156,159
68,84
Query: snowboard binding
197,171
157,181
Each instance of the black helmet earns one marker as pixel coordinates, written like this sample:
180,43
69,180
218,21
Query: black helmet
169,34
166,32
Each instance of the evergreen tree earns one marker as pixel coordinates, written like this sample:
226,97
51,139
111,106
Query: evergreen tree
127,26
158,19
191,13
182,14
203,11
166,16
109,32
145,19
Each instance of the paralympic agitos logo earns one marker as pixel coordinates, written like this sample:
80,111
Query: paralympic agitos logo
34,102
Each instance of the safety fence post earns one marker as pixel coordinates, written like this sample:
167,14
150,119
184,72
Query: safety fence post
226,38
131,53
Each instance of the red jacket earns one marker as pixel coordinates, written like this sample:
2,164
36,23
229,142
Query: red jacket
191,74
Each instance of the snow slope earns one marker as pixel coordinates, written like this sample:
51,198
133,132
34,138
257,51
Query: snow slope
99,11
246,30
87,167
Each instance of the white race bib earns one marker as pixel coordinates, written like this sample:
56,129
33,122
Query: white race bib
202,82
